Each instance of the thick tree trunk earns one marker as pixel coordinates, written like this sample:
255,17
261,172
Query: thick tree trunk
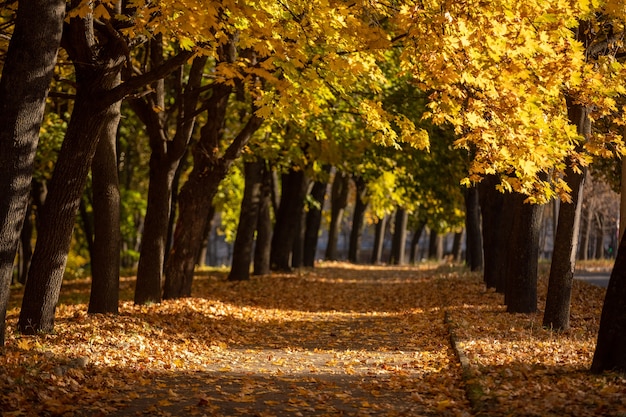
105,261
358,218
293,193
398,242
473,236
164,167
248,220
26,74
197,194
57,216
263,246
26,247
523,256
557,309
97,66
379,241
495,227
610,353
338,202
313,222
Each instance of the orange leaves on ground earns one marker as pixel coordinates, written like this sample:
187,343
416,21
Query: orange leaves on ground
337,340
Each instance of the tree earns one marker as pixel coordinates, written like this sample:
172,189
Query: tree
295,185
166,155
105,257
338,203
358,214
611,343
97,61
248,220
26,75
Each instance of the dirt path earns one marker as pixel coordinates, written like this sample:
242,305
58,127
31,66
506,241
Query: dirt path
336,342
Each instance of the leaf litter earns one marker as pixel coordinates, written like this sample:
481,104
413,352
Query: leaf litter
337,340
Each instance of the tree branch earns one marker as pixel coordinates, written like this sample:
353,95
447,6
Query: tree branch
134,83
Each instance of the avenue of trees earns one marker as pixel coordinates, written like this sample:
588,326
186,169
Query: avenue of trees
127,126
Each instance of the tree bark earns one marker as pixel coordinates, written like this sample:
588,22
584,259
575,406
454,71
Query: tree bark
474,240
26,74
398,242
496,226
293,192
297,251
197,194
456,246
435,246
263,246
338,202
96,73
248,220
105,261
610,353
358,218
417,235
523,256
558,298
164,163
379,241
313,222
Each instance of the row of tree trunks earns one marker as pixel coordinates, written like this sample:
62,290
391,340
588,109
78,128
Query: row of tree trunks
26,75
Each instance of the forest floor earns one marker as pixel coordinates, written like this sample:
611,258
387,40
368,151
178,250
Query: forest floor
337,340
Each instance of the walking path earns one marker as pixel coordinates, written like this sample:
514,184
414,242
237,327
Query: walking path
334,342
339,340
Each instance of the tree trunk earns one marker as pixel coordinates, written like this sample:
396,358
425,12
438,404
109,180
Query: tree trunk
338,202
164,166
610,353
473,237
298,242
435,246
456,246
495,222
586,217
293,192
398,243
26,74
358,218
263,246
197,194
313,222
248,220
96,73
26,246
523,256
558,298
417,235
379,241
105,261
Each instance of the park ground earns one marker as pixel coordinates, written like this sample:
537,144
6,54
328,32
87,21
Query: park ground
337,340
